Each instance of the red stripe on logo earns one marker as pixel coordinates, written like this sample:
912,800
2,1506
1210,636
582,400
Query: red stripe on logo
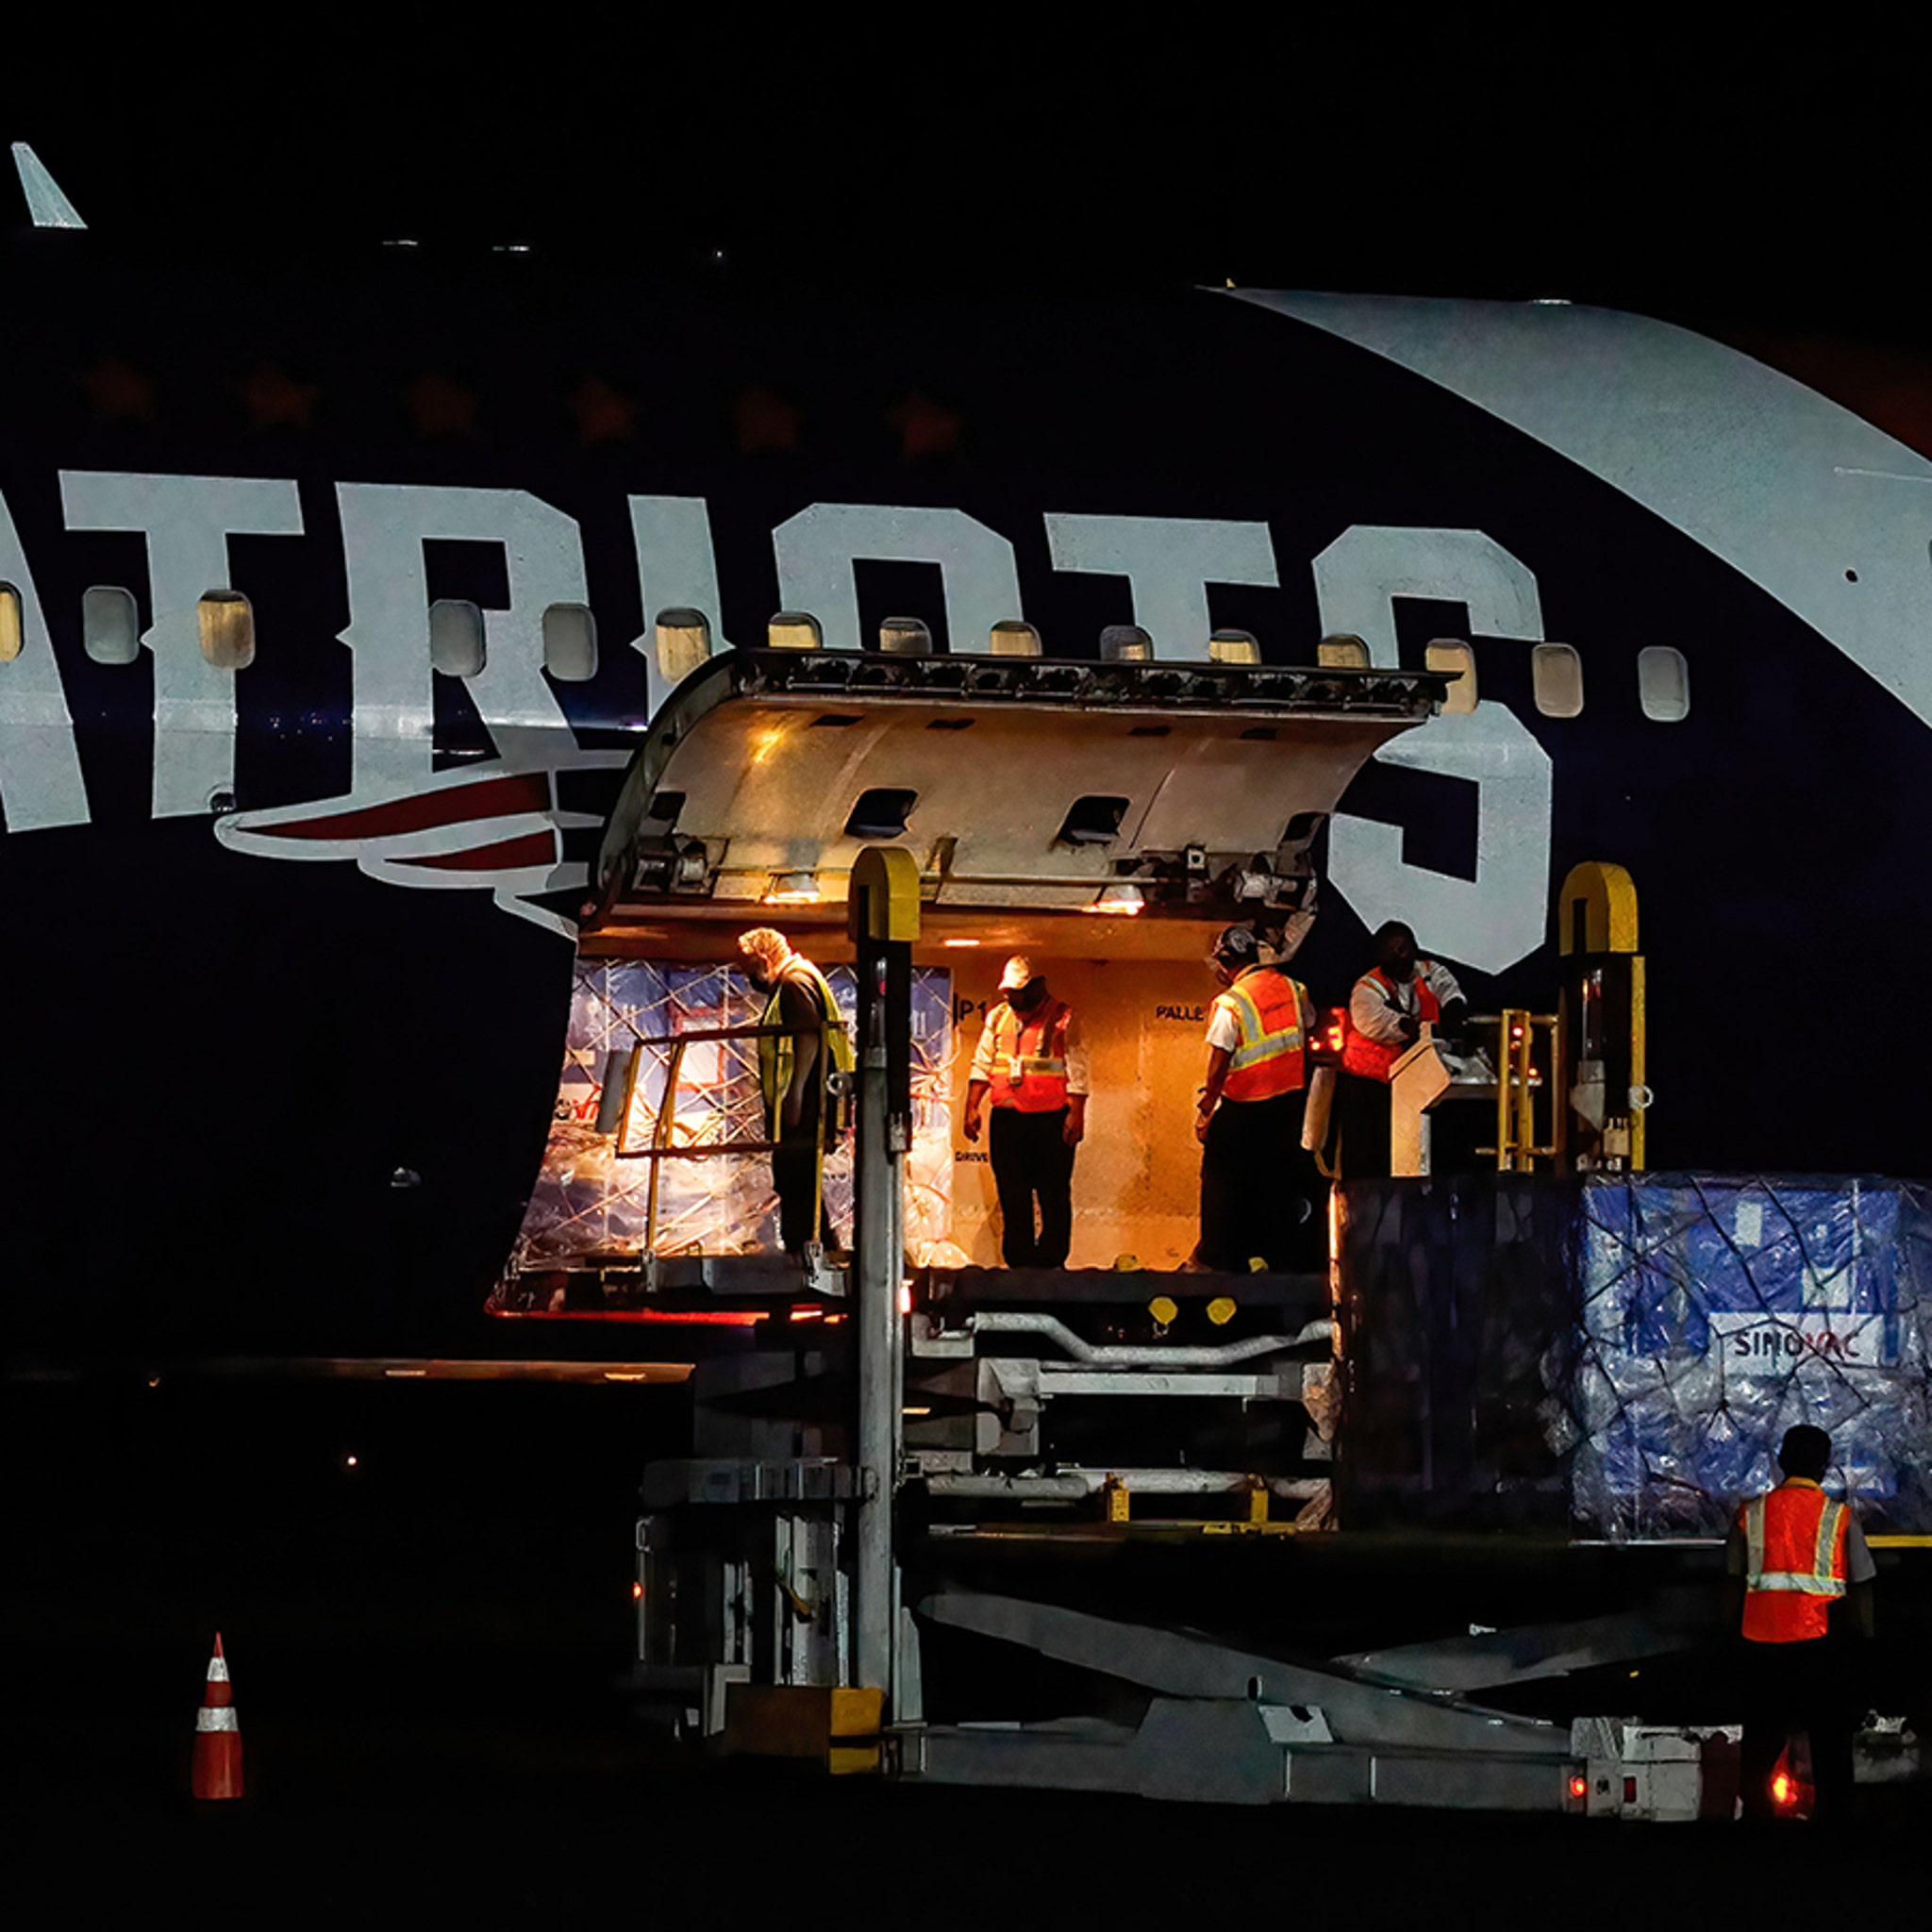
533,848
490,798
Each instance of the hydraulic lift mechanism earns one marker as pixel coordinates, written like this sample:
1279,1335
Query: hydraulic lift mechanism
875,1431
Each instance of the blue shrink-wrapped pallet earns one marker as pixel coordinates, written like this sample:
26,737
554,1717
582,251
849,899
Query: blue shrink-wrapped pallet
1715,1311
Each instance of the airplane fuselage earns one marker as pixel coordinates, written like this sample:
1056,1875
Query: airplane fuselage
291,948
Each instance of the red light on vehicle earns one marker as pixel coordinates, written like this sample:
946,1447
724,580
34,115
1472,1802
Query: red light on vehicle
1579,1787
1784,1794
636,1592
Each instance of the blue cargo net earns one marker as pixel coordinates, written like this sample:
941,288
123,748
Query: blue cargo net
1715,1312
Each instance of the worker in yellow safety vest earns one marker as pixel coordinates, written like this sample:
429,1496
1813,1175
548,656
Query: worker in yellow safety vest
1791,1555
793,1069
1030,1064
1259,1188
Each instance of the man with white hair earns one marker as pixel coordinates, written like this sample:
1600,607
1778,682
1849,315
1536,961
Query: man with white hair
794,1065
1031,1065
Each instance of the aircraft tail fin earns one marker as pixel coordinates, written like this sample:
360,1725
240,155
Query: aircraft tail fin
45,203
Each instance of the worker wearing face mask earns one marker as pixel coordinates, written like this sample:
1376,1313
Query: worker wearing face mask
1387,1012
1031,1066
1259,1189
793,1069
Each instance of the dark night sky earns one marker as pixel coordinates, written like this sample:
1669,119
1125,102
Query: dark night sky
1597,161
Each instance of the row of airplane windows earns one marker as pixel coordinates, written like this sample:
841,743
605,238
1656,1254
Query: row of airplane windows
110,632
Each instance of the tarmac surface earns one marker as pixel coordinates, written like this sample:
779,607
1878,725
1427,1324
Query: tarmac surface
428,1647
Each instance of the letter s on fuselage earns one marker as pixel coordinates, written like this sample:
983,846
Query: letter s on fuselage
1289,465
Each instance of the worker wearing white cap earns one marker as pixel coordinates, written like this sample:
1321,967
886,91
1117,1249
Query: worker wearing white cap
1030,1064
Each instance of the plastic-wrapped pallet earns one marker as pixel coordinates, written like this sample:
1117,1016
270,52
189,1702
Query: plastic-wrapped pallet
1715,1311
1630,1350
1458,1311
590,1206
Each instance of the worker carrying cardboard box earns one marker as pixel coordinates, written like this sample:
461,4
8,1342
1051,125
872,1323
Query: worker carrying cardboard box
1388,1010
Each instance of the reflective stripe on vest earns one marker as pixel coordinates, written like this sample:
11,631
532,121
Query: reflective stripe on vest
1036,1081
1267,1059
778,1052
1796,1525
1373,1059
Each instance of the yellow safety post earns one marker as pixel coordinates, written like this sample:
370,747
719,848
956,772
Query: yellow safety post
1603,1015
1518,1071
884,899
661,1139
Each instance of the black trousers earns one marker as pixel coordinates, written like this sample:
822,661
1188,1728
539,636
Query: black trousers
1259,1189
794,1162
1031,1161
1361,1110
1798,1686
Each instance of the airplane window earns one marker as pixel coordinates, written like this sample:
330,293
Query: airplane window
880,813
1125,644
1555,680
226,620
1342,652
1663,683
569,643
1453,655
1233,647
1093,821
455,637
684,641
795,630
905,636
10,634
1014,637
109,625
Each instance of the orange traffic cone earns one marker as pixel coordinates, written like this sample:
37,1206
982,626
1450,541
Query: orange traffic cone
217,1734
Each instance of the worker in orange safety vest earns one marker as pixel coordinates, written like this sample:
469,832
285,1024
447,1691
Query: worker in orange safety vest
1791,1555
1259,1188
1388,1009
1030,1063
